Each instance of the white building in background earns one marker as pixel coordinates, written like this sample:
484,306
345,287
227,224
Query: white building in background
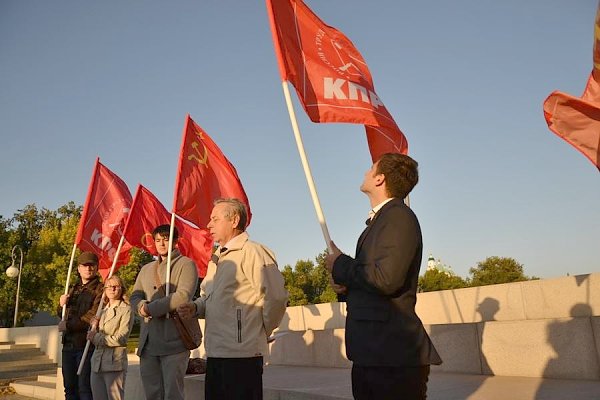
432,263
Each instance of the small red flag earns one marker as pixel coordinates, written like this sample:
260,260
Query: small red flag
330,75
103,218
147,212
204,175
577,120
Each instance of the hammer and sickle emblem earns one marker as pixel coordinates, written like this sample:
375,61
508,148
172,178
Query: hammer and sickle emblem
199,157
147,240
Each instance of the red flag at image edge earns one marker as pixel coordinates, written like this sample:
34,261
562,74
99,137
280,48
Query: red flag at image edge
577,119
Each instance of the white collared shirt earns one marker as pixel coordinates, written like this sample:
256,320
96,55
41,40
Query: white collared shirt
378,207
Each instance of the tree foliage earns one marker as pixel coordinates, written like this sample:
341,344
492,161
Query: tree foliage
494,270
137,259
308,283
435,279
46,238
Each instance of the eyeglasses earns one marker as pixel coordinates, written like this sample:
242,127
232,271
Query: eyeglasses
112,287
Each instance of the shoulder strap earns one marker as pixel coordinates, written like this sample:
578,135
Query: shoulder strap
159,286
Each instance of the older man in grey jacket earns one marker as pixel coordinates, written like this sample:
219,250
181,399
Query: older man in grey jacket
163,356
242,299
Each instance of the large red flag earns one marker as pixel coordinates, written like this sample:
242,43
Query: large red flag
103,218
147,212
577,119
204,175
331,77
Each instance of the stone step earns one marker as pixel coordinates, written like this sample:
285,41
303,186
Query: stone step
13,346
31,370
35,389
48,378
19,354
35,360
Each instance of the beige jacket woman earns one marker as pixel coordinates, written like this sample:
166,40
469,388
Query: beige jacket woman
111,340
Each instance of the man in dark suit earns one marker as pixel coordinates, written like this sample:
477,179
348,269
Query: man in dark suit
385,339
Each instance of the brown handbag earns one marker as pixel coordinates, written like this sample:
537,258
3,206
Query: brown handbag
190,337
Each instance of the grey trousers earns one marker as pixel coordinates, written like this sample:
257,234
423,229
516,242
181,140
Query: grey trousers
162,376
108,385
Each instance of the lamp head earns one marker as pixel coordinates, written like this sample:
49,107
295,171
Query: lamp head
12,271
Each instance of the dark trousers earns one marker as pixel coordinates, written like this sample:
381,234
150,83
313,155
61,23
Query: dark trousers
233,378
389,383
77,387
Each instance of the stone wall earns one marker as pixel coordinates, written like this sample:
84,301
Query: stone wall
545,328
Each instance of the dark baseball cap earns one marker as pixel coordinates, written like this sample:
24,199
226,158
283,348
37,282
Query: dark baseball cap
87,258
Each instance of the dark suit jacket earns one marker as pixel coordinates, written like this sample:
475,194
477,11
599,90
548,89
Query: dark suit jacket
382,327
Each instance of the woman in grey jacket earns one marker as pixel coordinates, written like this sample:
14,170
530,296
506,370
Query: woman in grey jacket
109,334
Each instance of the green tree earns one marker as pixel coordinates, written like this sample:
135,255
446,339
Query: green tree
435,279
7,285
494,270
297,297
46,238
48,263
326,293
308,283
128,273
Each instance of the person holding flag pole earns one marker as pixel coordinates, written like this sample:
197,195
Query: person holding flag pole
99,309
104,213
79,305
203,175
385,339
163,354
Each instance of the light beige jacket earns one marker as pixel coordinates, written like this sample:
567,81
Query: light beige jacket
242,298
111,340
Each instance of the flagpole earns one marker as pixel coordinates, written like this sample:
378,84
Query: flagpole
306,167
101,305
64,307
168,278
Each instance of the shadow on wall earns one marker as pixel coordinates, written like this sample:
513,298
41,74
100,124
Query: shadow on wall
487,309
319,347
576,354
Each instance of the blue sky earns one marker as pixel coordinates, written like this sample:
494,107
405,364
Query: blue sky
464,80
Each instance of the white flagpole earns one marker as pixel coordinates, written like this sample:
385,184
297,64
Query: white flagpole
101,305
168,278
64,307
307,173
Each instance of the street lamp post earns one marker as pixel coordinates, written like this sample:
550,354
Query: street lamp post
13,272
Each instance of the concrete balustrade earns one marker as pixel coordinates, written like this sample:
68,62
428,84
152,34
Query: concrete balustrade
46,338
571,296
545,328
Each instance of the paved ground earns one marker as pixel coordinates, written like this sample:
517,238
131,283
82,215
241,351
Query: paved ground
304,383
308,383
